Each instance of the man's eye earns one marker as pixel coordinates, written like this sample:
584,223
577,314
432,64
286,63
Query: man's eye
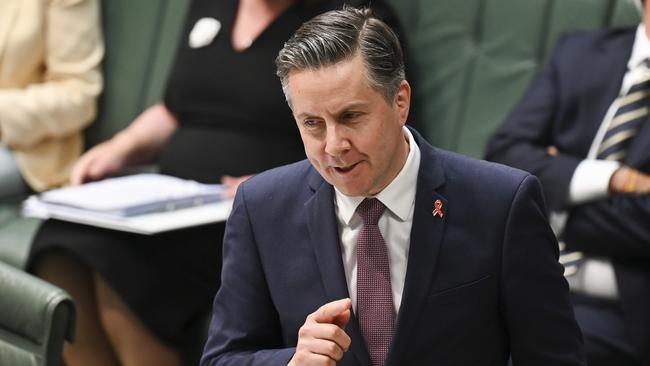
310,123
350,116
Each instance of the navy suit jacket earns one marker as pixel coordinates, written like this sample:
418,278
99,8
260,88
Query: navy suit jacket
565,108
482,282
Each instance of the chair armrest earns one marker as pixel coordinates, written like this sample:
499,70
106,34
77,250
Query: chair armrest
16,233
35,319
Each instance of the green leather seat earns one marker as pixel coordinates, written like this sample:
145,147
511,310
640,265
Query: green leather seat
35,318
474,59
141,38
16,233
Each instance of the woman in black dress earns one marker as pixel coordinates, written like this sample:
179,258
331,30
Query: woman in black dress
223,118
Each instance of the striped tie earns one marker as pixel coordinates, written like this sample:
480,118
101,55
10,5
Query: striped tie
570,260
632,111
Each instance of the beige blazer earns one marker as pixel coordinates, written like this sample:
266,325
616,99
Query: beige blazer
50,54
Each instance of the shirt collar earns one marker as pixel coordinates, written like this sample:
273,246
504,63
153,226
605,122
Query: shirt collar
640,49
398,196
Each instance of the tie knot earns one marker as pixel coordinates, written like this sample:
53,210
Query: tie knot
370,210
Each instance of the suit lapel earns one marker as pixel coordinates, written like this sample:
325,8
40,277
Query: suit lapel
596,94
327,249
426,237
8,12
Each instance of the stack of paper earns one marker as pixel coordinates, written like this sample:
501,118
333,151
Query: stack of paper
143,203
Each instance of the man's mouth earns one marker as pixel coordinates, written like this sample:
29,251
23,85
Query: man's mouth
345,169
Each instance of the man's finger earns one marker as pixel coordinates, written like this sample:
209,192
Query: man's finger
342,319
327,348
328,312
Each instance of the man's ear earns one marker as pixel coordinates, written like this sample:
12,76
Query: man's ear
402,101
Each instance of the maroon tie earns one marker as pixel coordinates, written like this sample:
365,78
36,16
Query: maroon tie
374,295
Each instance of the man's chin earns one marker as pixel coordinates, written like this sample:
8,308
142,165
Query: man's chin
348,185
351,190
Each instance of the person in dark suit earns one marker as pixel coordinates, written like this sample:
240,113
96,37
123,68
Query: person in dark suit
583,129
380,249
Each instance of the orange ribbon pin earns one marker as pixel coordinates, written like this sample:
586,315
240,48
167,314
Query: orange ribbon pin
438,210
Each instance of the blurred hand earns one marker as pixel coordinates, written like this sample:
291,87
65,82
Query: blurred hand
322,339
552,150
629,180
232,183
101,161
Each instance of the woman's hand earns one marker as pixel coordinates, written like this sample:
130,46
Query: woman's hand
137,144
101,161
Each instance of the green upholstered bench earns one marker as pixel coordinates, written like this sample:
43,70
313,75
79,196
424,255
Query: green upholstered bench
473,59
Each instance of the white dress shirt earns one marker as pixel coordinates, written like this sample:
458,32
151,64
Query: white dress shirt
394,225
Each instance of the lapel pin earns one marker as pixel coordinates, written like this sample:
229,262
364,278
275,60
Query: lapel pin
438,210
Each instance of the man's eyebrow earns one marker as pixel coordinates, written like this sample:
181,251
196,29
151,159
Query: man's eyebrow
343,109
303,115
351,106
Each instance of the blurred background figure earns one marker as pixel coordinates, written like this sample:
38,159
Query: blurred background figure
584,130
50,54
223,118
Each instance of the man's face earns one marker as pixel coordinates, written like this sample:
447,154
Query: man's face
352,135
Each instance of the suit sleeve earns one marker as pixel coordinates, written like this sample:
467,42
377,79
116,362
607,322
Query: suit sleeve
617,227
521,141
64,101
245,329
535,295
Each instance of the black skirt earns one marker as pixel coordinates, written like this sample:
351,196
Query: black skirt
168,279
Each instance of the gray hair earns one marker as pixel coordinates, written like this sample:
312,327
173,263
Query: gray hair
340,35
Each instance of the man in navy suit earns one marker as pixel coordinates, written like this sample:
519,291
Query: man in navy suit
380,249
583,129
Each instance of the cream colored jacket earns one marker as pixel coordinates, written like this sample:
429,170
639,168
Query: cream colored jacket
50,54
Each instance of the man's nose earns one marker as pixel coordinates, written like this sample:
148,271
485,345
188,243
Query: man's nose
336,141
